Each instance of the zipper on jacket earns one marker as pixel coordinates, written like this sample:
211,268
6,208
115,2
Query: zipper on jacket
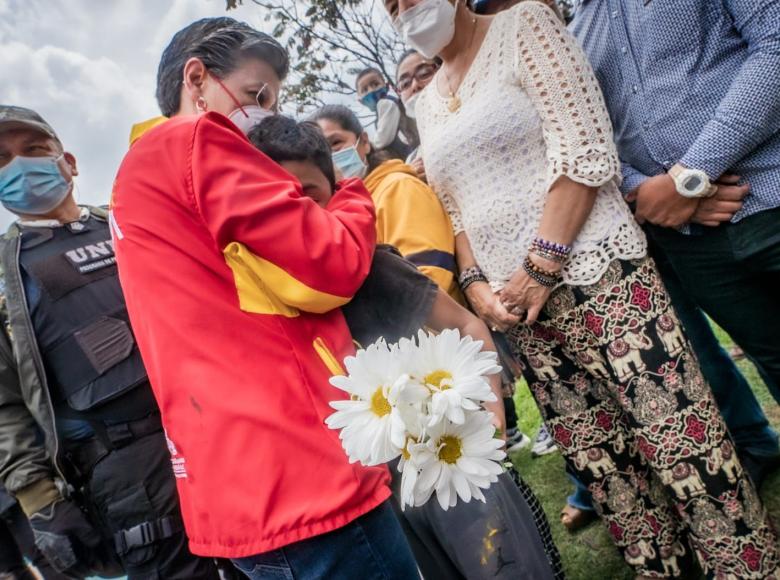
38,363
327,357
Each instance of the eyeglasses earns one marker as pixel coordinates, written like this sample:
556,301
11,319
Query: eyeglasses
265,97
422,74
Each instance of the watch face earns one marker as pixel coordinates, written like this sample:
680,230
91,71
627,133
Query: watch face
693,183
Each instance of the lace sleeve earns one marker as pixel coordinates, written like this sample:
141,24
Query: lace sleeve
451,207
560,82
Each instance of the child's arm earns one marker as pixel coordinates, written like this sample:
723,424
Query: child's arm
446,313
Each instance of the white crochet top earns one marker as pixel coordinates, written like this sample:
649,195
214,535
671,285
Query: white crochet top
531,112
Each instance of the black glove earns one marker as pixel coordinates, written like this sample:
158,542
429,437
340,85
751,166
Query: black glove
66,538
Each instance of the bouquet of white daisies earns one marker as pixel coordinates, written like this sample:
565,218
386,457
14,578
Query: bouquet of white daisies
420,400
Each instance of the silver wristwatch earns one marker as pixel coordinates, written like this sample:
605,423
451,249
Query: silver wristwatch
691,182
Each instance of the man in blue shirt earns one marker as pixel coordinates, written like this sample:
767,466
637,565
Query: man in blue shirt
693,90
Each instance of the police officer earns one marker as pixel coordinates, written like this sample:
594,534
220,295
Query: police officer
81,444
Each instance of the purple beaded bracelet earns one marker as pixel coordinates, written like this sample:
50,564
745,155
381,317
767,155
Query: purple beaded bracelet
561,251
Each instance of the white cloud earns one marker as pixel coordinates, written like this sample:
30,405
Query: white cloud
89,69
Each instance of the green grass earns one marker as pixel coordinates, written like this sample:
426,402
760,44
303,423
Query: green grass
589,554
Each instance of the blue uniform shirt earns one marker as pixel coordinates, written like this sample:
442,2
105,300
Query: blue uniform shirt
690,81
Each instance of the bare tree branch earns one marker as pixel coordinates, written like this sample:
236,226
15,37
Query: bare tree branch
328,42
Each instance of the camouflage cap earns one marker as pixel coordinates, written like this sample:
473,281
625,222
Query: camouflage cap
21,118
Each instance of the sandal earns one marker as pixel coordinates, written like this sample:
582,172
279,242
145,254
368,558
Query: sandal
736,353
574,519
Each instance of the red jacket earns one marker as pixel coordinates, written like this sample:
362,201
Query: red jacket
242,381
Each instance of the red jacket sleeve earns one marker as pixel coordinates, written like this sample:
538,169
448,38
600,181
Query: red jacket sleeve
245,198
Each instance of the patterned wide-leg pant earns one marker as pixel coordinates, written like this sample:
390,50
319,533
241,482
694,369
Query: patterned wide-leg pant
622,394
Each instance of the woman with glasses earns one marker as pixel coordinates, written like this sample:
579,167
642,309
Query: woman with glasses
413,74
518,144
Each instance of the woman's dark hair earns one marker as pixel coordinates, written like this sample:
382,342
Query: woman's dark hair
220,43
347,120
341,115
411,52
285,139
406,54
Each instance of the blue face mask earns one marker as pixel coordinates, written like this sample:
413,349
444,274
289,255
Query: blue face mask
33,185
349,162
371,100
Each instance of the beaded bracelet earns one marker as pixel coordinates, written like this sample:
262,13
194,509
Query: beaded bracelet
544,277
539,270
470,276
561,251
545,255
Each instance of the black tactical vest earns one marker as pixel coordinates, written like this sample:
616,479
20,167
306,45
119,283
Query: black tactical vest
79,315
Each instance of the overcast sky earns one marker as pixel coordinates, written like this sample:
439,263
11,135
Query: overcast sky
88,67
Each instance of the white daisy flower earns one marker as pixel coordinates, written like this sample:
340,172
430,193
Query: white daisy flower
457,461
369,420
415,421
454,369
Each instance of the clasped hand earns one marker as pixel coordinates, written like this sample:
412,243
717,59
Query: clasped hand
658,202
522,299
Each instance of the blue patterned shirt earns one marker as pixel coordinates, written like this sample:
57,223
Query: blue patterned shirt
690,81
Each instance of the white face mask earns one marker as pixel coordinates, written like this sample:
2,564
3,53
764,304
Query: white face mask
427,27
411,104
250,116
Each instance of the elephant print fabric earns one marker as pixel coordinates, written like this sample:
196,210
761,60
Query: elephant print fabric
623,396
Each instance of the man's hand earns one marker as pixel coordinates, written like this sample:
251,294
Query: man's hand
722,206
658,202
66,538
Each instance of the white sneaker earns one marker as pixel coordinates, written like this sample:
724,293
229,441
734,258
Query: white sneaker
544,444
516,440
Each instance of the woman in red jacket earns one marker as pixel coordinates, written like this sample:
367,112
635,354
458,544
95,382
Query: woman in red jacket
242,377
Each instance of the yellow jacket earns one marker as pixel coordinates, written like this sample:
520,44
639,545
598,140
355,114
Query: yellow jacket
139,129
410,217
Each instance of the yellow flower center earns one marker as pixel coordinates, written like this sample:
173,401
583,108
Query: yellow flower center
379,405
436,378
450,449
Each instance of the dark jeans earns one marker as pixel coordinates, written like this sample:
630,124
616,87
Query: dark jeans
372,547
733,273
510,411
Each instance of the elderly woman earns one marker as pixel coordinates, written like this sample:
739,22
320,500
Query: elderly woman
240,364
517,142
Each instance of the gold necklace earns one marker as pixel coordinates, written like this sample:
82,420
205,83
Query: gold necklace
454,103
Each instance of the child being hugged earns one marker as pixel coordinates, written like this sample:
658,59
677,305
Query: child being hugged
395,301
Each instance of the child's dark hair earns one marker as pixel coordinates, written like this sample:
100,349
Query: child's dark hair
284,139
348,121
